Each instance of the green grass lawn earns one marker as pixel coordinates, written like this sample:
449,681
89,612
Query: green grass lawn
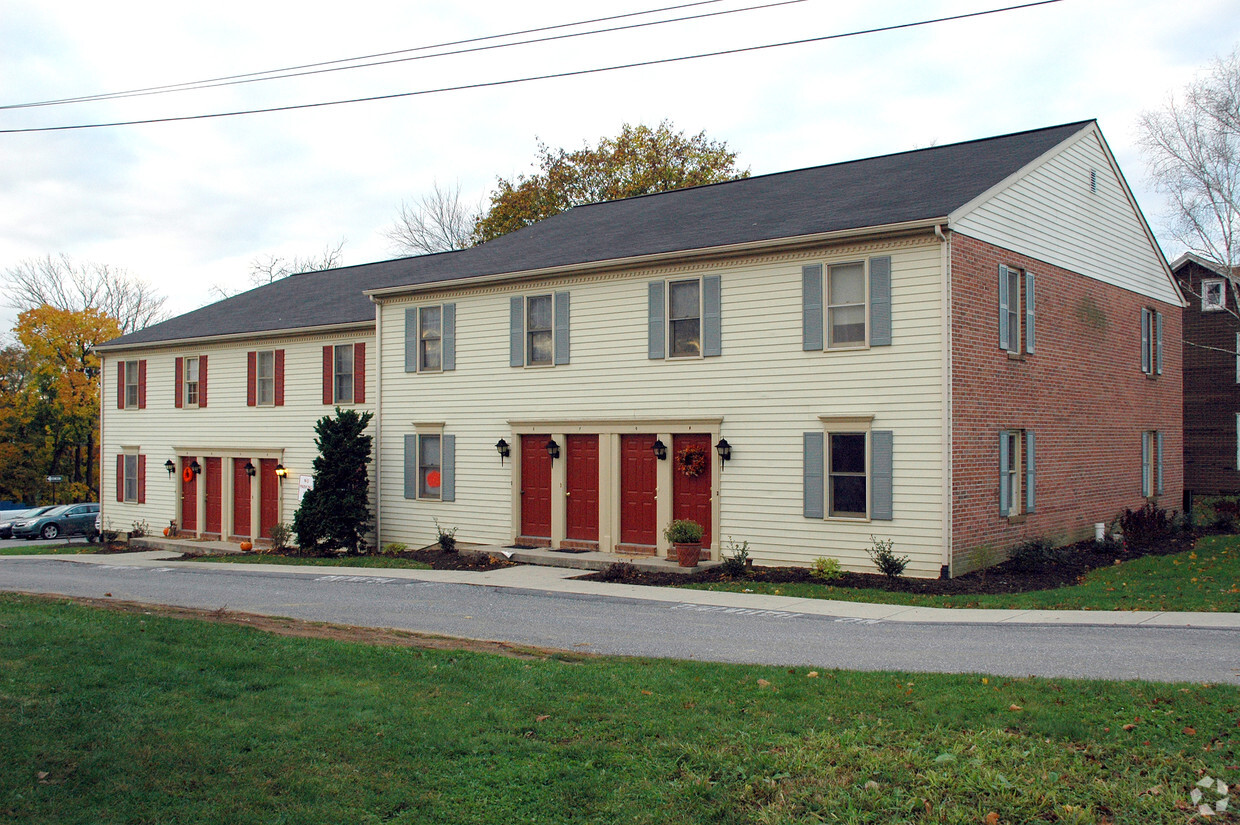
1206,579
39,550
342,561
122,717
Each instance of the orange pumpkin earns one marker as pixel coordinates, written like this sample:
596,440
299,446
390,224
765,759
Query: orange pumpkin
246,546
167,531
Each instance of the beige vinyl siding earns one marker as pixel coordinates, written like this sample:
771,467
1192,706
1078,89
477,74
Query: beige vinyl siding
225,427
767,391
1051,214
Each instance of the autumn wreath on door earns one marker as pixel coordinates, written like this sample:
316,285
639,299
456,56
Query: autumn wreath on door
691,461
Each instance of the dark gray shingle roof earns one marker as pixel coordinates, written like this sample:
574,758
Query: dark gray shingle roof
908,186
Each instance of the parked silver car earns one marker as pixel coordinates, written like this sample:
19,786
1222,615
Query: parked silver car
65,520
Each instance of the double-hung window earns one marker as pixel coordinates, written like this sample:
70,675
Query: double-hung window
430,339
130,476
846,305
191,382
130,479
539,330
430,475
131,385
265,378
1017,472
1151,463
848,470
342,374
1151,342
430,464
847,475
1213,295
684,318
1016,310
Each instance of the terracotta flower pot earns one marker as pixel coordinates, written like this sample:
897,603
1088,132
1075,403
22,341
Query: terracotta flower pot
687,554
247,546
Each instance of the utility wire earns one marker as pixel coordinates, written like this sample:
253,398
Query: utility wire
532,78
227,82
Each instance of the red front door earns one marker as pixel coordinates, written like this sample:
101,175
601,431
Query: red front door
189,495
268,497
638,477
691,494
241,498
582,471
535,486
215,494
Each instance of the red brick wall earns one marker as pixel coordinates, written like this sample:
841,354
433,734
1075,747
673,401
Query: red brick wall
1211,392
1082,393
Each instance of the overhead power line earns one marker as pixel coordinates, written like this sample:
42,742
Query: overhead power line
533,78
309,70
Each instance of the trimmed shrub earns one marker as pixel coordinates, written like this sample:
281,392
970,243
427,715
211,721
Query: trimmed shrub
828,570
1143,527
1036,555
887,562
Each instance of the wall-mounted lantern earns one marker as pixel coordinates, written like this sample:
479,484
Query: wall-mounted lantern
553,449
725,452
660,449
503,449
250,469
170,467
195,467
280,471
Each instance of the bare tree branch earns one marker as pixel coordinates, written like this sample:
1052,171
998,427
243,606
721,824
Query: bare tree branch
60,282
266,269
437,222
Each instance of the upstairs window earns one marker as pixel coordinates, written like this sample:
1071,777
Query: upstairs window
539,332
191,382
342,374
684,318
430,339
1213,296
1016,310
846,305
1151,342
131,383
265,378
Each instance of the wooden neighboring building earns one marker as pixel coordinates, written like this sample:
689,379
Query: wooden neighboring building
1211,376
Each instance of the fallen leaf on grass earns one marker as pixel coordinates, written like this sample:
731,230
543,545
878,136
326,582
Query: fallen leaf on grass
992,818
763,683
647,693
871,785
813,674
1190,731
1015,707
1129,726
542,718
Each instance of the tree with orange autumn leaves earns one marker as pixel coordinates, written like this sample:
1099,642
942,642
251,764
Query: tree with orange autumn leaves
49,404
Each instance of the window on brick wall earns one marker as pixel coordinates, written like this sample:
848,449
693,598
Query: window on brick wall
1151,463
1151,342
1017,472
1016,310
1213,298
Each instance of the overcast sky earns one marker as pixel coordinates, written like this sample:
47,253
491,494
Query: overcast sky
191,204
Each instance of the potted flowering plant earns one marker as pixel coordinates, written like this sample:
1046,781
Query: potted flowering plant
686,535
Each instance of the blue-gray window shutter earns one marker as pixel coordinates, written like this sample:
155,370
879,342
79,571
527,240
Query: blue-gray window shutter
880,301
447,468
1158,438
411,339
815,498
1005,486
1004,299
1158,342
1145,340
881,454
1029,306
657,327
1145,464
561,328
1030,471
516,332
449,336
712,334
411,466
811,307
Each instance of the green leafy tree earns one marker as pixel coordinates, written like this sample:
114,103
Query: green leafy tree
335,515
639,161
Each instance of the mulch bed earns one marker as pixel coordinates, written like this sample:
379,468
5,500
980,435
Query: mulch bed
1079,559
435,557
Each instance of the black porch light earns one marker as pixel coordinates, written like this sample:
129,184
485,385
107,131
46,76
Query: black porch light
553,449
196,467
503,449
725,452
249,469
170,467
280,471
660,449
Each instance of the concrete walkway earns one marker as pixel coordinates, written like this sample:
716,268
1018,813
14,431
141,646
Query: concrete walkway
562,580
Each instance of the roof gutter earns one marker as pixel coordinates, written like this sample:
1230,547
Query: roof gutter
237,336
636,261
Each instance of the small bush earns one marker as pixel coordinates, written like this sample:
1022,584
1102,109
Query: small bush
887,562
447,538
1143,527
619,571
684,531
394,549
279,535
828,570
735,558
139,529
1036,555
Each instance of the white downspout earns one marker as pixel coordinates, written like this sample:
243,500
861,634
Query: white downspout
378,422
946,274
